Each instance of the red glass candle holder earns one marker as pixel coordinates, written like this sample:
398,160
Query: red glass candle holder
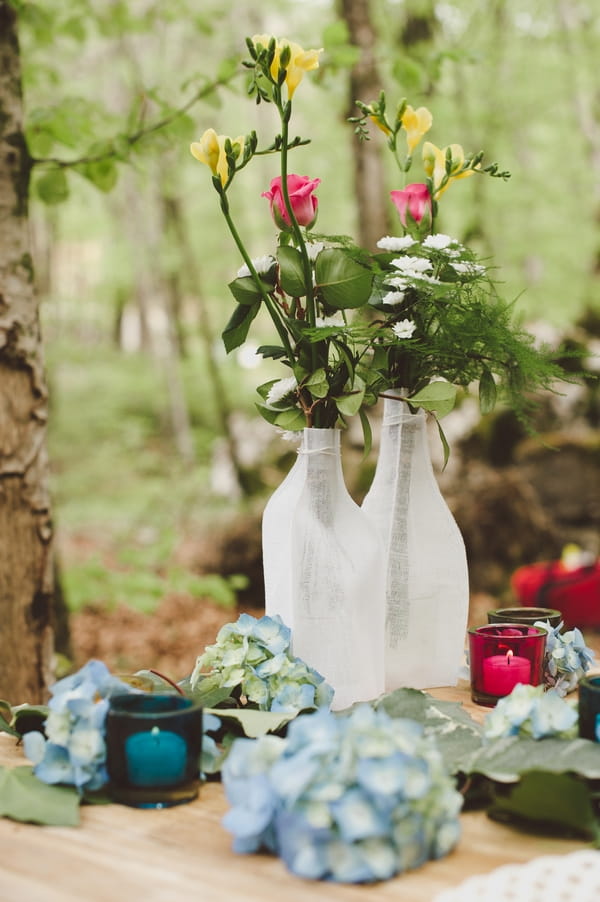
502,655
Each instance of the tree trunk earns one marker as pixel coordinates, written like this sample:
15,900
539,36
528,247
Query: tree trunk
365,85
26,567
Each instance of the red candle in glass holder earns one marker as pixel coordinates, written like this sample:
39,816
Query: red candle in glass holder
501,656
501,673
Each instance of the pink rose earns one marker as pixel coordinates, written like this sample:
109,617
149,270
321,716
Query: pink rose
304,205
413,205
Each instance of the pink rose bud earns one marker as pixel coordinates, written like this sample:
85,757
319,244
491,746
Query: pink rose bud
413,205
303,203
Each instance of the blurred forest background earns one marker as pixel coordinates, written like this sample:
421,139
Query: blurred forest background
160,465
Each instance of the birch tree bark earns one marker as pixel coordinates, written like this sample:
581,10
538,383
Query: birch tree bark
365,84
26,567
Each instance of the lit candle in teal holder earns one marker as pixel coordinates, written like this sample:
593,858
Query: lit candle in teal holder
153,748
155,758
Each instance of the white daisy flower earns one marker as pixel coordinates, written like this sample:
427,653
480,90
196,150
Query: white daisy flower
404,329
412,265
279,390
392,298
261,265
398,282
439,242
391,243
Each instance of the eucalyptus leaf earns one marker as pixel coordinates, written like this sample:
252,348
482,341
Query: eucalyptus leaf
25,798
254,723
52,187
548,802
506,760
291,420
344,283
317,384
349,405
291,271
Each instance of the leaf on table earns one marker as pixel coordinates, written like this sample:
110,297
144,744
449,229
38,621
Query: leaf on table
253,723
30,717
25,798
545,802
6,716
505,760
457,735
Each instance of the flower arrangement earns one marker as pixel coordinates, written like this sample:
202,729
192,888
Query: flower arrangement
422,315
532,712
353,798
253,658
73,750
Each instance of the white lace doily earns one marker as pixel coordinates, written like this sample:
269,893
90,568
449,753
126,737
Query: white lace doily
551,878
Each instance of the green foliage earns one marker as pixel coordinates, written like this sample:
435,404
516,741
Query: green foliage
25,798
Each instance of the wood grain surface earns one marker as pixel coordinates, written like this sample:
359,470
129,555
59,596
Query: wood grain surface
121,854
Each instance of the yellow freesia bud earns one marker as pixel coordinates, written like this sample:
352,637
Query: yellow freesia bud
416,123
434,164
378,121
300,61
210,149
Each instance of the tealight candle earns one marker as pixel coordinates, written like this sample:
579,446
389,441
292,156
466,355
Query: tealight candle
501,673
503,655
153,747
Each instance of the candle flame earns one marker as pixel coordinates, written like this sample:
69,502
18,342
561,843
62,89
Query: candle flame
509,655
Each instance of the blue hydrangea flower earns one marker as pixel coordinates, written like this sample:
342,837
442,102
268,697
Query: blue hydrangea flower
533,712
255,655
353,798
567,657
75,752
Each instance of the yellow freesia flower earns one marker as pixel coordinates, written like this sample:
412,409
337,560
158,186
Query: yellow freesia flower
416,123
210,149
300,61
434,164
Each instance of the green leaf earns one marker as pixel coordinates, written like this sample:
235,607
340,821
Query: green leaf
546,802
344,283
317,384
367,432
292,420
208,692
52,187
25,798
487,392
439,397
236,330
102,173
254,723
505,760
245,291
30,717
457,735
291,271
444,442
349,405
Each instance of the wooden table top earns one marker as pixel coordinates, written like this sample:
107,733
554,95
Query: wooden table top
120,853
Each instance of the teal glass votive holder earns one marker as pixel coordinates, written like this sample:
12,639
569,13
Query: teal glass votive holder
526,615
153,748
589,708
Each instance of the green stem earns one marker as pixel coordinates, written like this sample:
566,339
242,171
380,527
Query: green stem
271,306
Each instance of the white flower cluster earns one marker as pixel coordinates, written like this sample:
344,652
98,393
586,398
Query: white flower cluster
353,798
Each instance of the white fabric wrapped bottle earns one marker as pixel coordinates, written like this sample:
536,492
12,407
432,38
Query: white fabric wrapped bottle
336,573
277,542
427,583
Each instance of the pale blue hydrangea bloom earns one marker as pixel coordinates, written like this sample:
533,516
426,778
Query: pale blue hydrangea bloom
532,712
351,798
75,752
567,657
255,655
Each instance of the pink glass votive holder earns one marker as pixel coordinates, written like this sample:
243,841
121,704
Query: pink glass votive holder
502,655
